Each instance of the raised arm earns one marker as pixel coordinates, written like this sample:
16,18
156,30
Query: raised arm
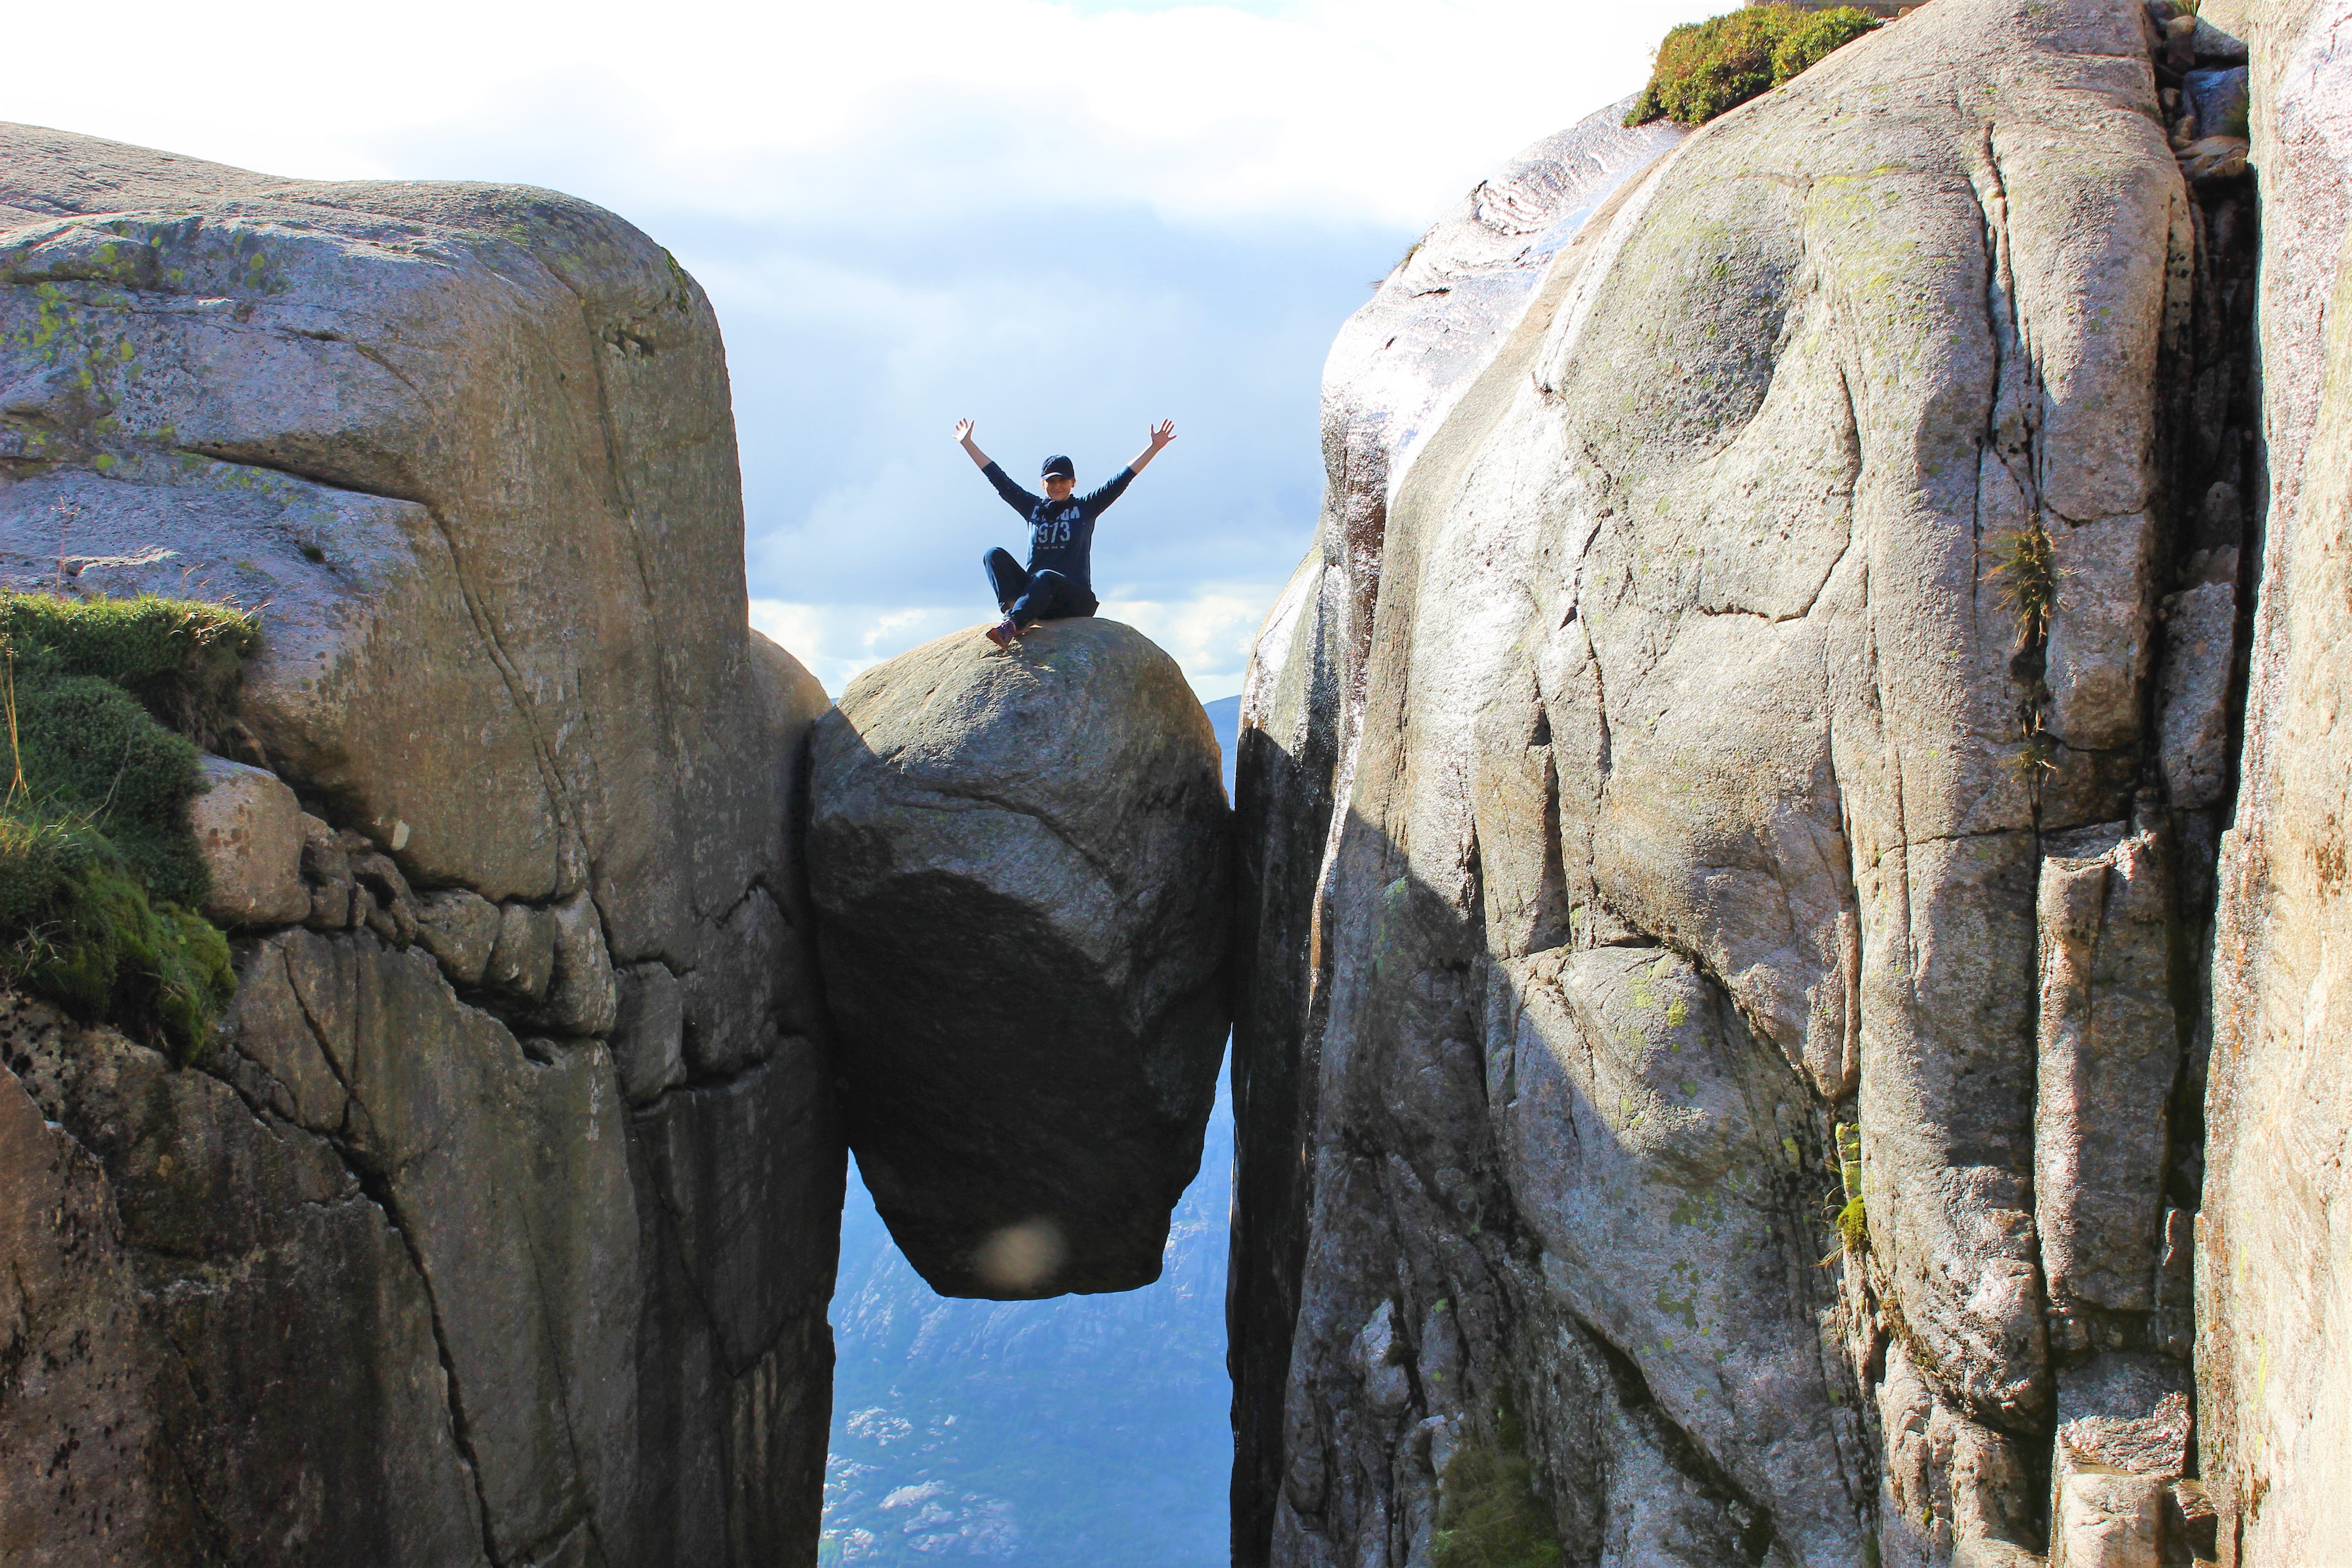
1162,434
970,447
1017,498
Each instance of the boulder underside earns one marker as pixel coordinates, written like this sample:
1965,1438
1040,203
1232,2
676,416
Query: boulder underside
1018,863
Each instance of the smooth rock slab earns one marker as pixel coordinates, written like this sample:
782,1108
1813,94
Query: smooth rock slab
1020,865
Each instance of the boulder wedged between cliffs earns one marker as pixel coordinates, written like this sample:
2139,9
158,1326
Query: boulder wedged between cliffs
1020,865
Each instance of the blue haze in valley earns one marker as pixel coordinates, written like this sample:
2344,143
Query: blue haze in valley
1072,1433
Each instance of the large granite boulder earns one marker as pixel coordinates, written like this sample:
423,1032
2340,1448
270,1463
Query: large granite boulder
1019,863
500,1223
2274,1239
1664,834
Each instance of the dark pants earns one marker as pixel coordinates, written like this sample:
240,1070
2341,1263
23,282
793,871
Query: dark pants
1038,597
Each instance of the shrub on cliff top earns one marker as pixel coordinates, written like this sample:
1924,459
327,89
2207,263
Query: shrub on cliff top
99,869
1706,69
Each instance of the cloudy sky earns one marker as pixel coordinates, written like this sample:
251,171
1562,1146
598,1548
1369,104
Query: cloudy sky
1063,220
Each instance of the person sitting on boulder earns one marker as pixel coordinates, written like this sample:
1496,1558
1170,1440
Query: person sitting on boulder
1058,583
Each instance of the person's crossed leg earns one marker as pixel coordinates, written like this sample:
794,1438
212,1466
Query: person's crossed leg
1026,597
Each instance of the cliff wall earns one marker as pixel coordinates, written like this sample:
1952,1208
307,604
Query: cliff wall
1399,364
1730,823
499,1223
2274,1257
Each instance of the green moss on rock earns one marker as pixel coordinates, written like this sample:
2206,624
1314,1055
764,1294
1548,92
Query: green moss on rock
184,660
99,872
1488,1515
1708,69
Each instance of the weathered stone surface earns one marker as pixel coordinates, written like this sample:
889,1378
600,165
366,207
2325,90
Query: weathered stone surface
2274,1335
2109,1049
1412,351
2193,693
2123,1443
522,960
508,1179
648,1031
736,999
739,1236
743,1209
471,447
583,997
248,826
266,1279
461,929
336,902
1019,861
382,900
1689,779
1952,1490
84,1382
2108,1521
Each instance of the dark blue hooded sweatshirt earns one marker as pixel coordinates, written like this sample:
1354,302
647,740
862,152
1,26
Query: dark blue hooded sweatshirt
1061,533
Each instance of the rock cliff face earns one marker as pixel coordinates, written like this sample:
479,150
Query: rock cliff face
2274,1253
498,1224
1754,755
1399,364
1020,866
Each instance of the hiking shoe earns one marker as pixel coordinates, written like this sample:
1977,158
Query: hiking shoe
1003,633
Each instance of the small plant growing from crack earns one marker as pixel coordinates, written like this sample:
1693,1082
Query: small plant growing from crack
1851,1221
2024,565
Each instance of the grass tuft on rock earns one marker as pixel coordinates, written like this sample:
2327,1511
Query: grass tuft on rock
99,872
1851,1221
2026,565
1708,68
1488,1515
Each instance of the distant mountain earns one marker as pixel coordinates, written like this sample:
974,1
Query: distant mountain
1064,1434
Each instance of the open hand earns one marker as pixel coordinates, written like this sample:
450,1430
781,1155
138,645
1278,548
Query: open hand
963,431
1162,432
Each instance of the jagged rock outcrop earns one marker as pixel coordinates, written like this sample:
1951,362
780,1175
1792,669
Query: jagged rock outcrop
1779,697
1019,861
2273,1243
497,1225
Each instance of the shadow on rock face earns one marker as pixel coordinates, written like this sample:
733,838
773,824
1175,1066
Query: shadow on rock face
1020,863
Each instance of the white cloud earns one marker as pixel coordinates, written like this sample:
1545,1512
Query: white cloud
1208,634
835,641
1382,108
1063,220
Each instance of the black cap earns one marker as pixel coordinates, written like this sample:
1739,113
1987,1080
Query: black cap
1061,466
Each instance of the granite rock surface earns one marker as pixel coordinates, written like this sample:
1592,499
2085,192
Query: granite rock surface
2273,1272
1699,804
422,1263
